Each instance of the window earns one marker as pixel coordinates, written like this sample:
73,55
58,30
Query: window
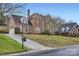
63,29
67,29
37,22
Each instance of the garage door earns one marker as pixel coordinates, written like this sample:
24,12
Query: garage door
12,31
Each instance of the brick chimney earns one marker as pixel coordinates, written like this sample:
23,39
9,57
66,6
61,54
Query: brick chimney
28,12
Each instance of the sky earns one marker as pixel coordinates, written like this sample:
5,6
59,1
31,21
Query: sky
65,11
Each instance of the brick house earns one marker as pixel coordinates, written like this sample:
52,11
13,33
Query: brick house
35,23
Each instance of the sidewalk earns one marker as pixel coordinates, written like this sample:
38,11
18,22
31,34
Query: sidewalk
28,43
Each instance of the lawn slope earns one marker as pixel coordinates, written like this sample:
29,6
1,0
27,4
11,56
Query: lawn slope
54,40
7,45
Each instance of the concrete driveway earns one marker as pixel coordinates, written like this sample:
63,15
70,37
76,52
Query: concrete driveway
28,43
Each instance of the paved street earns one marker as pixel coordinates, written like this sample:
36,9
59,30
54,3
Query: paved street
28,43
67,51
64,51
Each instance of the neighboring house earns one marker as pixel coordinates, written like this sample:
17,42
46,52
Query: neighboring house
70,29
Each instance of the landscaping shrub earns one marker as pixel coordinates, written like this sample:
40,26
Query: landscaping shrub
46,32
17,30
57,33
4,29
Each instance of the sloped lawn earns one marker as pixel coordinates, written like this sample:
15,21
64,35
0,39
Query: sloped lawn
54,40
7,45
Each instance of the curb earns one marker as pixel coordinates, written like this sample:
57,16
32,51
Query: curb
35,52
38,52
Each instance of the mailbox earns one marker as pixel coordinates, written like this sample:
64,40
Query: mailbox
24,38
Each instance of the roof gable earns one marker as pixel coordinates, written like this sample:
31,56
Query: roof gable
17,18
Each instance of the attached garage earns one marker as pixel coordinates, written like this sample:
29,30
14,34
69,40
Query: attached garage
12,31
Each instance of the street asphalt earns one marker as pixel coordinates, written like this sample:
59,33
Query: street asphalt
67,51
64,51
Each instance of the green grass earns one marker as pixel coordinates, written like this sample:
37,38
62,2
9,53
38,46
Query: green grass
7,45
54,40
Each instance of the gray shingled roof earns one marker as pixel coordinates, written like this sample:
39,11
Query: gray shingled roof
69,24
17,18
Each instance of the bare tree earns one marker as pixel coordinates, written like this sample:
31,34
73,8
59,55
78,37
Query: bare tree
58,23
10,8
